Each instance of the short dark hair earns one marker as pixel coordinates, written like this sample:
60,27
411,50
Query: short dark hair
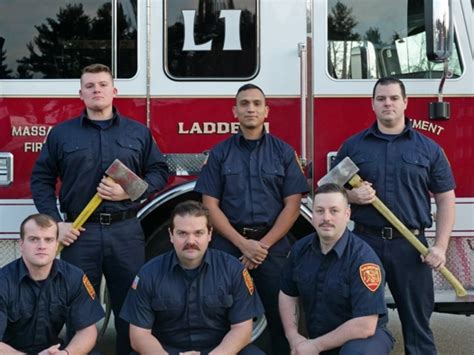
331,188
41,220
390,80
249,87
190,208
97,68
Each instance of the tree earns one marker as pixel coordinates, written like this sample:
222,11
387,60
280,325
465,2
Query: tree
341,23
56,50
4,71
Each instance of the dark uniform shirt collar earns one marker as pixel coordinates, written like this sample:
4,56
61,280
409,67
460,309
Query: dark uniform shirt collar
23,270
374,130
338,248
241,139
84,118
175,261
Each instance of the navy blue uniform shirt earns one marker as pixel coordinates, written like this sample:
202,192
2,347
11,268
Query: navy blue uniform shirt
191,312
403,171
335,287
33,313
78,151
252,183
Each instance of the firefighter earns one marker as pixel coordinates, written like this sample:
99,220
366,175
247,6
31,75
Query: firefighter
192,299
39,294
339,281
252,185
78,151
404,168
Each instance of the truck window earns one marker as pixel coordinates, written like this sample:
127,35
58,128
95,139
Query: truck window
367,41
211,40
55,39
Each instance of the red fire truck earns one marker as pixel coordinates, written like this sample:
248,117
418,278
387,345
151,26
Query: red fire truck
178,64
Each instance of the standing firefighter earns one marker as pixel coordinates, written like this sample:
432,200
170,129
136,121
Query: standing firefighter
78,152
252,185
403,167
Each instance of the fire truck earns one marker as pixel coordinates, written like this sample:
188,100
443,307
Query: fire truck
178,63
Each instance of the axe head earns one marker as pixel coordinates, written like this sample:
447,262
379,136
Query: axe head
341,173
133,185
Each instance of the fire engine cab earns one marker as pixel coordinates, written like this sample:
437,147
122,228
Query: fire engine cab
178,63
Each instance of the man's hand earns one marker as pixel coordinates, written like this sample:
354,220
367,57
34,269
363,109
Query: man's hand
68,235
294,341
436,257
52,350
254,251
362,195
111,191
247,263
307,347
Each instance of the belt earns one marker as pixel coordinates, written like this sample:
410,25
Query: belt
104,218
384,232
252,232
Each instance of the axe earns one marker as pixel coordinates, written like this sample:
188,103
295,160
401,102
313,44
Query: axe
119,173
346,172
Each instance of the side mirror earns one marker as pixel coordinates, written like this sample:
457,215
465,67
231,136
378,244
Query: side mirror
439,45
439,30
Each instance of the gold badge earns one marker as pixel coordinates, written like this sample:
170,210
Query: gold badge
371,276
248,281
88,286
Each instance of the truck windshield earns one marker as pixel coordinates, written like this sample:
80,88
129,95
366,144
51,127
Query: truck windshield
367,41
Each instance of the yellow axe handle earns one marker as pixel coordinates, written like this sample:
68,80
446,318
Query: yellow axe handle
84,215
356,181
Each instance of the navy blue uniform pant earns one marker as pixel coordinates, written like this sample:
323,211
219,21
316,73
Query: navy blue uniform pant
381,343
117,251
248,350
411,284
267,282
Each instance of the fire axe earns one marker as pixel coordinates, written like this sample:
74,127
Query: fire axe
346,172
122,175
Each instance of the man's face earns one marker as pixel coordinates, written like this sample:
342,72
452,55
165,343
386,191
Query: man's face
190,238
389,106
38,245
330,215
97,91
250,109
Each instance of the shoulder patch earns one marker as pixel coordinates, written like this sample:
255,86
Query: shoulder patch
371,276
88,286
299,162
135,282
248,281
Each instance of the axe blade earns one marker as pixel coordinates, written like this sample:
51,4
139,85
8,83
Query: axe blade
130,182
341,173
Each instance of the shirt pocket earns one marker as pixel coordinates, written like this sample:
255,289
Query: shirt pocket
415,167
129,151
273,175
234,181
78,155
337,296
21,317
58,314
217,306
167,309
367,164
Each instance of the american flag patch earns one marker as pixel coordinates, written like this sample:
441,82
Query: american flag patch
135,282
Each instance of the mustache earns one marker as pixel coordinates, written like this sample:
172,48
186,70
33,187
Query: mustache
326,225
191,247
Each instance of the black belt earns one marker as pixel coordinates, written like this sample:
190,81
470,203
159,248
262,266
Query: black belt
252,232
104,218
384,232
